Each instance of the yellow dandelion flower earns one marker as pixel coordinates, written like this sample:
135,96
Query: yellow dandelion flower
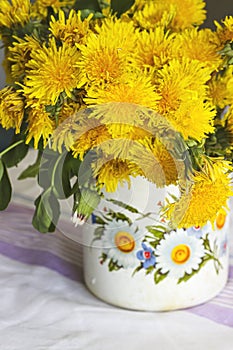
113,172
11,109
63,135
106,8
228,125
69,108
40,8
193,119
100,64
14,12
127,131
72,29
121,139
181,81
174,14
40,126
124,113
50,72
201,45
117,33
106,55
208,195
221,87
90,134
153,48
155,13
19,54
225,31
134,89
155,162
188,13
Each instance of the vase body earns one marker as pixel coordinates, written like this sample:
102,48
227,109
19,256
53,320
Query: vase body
132,262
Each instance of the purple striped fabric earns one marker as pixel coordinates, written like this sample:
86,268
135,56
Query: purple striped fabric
19,241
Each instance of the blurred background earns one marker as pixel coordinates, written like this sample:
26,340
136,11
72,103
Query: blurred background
216,9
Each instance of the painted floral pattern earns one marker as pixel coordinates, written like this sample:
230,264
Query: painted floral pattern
179,254
121,242
166,253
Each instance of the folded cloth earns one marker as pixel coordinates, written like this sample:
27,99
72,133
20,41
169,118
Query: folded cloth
43,310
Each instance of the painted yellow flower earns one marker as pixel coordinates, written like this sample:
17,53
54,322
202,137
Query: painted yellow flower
201,45
225,31
14,12
51,71
72,29
133,88
221,87
208,195
11,109
106,56
153,48
40,126
19,54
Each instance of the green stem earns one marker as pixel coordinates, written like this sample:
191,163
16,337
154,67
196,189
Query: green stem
54,169
10,147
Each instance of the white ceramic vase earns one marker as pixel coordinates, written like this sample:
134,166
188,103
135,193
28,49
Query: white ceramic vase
132,262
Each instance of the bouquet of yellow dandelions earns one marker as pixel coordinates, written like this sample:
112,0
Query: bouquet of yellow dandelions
97,82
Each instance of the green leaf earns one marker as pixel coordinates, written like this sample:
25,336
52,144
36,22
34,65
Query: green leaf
32,169
140,267
149,270
121,6
16,154
155,231
123,205
120,216
187,276
47,212
87,4
86,12
159,277
5,187
113,266
70,169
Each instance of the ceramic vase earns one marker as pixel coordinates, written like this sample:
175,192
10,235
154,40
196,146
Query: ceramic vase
133,261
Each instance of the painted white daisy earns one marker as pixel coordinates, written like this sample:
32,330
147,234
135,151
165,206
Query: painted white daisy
121,242
179,253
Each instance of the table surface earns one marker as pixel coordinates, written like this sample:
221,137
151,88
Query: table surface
46,306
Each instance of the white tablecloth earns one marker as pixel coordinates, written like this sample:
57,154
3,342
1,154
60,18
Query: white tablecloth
46,306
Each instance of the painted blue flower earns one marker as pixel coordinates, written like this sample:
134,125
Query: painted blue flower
146,254
198,232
